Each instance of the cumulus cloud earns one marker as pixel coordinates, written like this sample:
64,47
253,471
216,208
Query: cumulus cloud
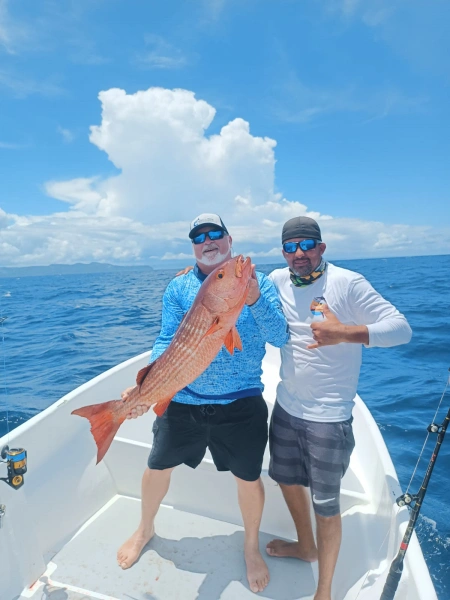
3,219
169,170
157,139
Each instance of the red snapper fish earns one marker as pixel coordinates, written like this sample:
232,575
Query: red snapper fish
209,324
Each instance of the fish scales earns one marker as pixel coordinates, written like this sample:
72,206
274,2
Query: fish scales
175,363
206,327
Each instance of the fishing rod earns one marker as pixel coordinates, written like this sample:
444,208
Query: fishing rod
414,501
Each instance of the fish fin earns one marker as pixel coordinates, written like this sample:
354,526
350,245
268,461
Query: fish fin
232,340
104,422
228,342
160,407
214,327
142,374
237,339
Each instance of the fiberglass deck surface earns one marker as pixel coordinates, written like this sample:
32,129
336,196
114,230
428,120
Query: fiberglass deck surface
190,558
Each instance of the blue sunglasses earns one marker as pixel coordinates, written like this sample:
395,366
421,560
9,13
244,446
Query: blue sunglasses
213,235
305,245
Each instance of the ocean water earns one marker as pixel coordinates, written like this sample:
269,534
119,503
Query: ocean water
61,331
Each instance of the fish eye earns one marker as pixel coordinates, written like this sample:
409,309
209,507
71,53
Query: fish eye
220,275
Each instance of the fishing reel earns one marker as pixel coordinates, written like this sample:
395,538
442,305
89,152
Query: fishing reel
434,428
407,499
16,464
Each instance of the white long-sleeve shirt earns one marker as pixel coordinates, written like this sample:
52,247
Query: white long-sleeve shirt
320,384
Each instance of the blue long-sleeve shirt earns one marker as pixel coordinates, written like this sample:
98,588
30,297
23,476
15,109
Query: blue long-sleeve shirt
228,377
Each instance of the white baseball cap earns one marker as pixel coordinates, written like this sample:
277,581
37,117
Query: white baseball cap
206,219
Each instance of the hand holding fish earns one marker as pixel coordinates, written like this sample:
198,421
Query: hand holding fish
331,331
253,293
253,288
125,395
136,411
209,324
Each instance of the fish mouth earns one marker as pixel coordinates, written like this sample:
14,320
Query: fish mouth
241,265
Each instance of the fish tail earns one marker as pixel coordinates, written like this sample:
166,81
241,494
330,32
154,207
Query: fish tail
104,422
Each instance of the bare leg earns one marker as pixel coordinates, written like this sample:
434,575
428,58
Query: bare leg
251,502
154,487
297,500
329,535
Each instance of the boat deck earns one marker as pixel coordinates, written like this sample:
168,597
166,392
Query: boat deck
177,564
66,529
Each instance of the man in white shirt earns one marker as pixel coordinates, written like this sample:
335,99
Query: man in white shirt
331,313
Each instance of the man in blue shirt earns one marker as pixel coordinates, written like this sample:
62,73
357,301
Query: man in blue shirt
223,409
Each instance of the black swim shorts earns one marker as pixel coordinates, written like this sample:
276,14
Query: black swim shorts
235,433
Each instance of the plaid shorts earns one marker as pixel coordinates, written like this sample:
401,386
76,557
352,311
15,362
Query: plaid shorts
312,454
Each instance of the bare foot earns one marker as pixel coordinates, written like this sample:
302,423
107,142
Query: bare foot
292,549
130,551
257,571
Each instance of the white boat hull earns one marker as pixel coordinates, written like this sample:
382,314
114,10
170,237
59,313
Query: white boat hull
61,530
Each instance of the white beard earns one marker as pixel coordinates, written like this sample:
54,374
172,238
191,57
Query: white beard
209,259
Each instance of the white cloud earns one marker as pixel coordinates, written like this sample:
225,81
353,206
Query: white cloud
80,193
179,256
11,33
83,51
22,87
11,146
157,139
300,103
161,55
213,10
53,26
349,6
67,135
414,29
3,219
372,12
170,170
274,252
4,33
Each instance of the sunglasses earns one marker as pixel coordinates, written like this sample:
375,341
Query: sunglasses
213,235
305,245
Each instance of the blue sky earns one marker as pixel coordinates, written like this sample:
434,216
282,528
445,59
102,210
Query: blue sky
332,108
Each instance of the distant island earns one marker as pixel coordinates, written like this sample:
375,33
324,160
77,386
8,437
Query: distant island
76,269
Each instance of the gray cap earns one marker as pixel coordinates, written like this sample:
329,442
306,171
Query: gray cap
206,219
301,227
